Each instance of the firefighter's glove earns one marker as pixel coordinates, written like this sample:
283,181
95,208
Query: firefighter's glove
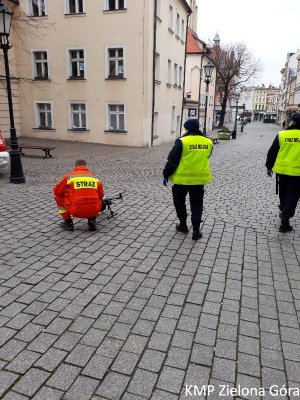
165,181
269,173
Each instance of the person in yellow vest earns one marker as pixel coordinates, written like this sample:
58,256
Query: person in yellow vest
284,159
188,169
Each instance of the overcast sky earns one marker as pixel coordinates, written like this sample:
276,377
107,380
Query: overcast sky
270,29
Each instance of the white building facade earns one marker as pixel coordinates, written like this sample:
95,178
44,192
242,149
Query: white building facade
195,87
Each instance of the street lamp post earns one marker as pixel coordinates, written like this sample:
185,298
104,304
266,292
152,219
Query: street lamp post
16,170
208,68
243,122
237,96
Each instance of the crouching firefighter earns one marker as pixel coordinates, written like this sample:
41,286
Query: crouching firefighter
189,170
79,194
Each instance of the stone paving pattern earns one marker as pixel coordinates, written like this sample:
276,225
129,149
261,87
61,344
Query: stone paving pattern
135,310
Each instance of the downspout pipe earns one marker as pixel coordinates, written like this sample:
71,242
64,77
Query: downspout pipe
153,70
184,73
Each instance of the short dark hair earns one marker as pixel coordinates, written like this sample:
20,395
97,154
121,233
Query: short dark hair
79,163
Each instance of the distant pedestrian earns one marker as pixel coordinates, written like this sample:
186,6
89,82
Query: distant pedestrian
284,159
189,170
79,194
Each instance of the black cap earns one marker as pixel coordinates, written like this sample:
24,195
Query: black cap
192,125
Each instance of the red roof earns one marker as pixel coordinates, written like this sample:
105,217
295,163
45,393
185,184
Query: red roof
193,45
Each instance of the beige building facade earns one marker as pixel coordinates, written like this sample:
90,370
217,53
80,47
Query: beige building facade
259,102
101,71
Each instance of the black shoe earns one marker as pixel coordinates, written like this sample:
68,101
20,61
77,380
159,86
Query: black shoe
196,234
182,228
92,224
285,226
67,225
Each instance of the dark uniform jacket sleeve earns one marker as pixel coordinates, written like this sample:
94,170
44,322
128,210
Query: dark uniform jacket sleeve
272,153
173,159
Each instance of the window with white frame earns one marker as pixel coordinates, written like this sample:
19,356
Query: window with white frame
169,72
75,6
112,5
183,30
173,121
175,74
76,64
43,111
40,64
115,62
178,126
180,77
171,17
177,28
37,8
116,117
157,66
158,9
78,116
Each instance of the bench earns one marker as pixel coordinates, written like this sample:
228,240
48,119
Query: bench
46,149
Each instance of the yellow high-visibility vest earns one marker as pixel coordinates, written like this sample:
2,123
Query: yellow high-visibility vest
194,168
288,157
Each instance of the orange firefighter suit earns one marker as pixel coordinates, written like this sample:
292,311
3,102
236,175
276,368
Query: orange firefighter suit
79,194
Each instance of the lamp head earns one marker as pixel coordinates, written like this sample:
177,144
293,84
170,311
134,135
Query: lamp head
208,69
5,21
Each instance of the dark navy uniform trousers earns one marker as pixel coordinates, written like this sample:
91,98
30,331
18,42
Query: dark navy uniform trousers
289,194
196,193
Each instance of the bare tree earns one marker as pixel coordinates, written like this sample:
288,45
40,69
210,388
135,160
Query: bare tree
23,25
236,67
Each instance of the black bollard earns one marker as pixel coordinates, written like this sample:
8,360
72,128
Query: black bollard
233,134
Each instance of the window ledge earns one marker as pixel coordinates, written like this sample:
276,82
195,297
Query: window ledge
115,78
78,130
121,10
177,36
157,81
82,14
38,16
169,84
158,18
155,137
115,131
175,85
41,79
44,129
170,30
179,87
76,79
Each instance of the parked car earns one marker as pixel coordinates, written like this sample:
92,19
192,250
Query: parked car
4,156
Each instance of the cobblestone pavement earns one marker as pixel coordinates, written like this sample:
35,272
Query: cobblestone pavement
136,311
